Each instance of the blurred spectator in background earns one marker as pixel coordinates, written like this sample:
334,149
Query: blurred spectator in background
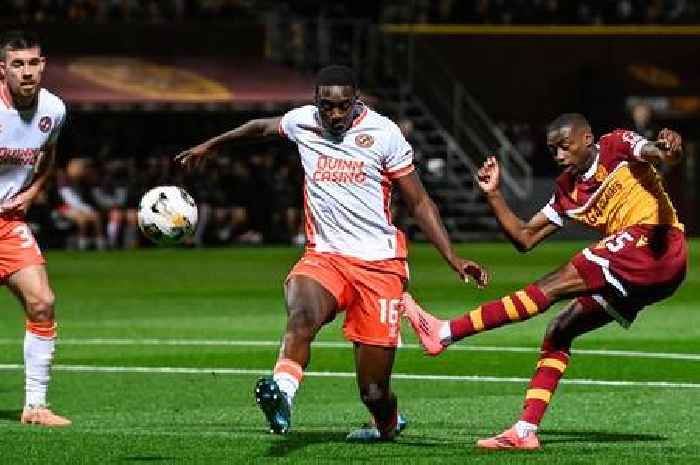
641,115
287,187
73,185
111,194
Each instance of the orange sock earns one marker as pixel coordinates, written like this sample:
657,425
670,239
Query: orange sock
288,375
42,328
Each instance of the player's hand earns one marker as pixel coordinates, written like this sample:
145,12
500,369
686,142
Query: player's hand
468,269
671,138
488,175
670,145
192,158
17,205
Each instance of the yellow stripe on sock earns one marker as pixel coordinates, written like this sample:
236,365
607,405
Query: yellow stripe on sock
510,308
552,363
541,394
477,319
530,305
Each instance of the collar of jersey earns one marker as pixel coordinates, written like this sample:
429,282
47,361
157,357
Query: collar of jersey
594,166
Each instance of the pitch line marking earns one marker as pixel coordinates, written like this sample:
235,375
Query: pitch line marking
337,374
346,345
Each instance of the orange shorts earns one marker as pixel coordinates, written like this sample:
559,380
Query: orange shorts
18,248
368,291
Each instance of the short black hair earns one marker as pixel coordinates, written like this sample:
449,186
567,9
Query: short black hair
336,75
572,120
17,40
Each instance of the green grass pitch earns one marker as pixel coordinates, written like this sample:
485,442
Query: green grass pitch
159,350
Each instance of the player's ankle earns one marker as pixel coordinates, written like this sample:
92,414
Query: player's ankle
524,428
445,334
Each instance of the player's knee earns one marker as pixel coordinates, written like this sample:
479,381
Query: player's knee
557,334
562,283
373,394
301,322
40,307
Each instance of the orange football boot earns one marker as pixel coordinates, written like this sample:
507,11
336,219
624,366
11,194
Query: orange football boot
509,440
41,415
426,326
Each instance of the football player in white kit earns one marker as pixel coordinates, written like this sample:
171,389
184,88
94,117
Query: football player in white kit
30,122
355,258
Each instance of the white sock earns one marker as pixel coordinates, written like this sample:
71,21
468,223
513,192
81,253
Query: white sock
287,384
445,334
113,229
38,353
523,428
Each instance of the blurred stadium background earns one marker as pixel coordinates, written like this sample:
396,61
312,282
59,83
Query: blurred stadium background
145,79
159,349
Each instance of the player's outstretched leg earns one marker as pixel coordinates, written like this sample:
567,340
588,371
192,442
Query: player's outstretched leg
436,334
581,316
31,286
309,307
373,365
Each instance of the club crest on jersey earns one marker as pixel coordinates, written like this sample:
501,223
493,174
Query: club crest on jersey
45,124
601,173
364,140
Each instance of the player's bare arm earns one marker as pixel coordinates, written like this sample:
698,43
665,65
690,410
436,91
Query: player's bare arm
523,235
426,214
20,203
668,148
253,129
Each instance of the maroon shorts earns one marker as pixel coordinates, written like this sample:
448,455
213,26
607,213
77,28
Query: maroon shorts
633,268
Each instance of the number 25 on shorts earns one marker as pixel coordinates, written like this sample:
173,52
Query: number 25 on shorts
617,243
389,311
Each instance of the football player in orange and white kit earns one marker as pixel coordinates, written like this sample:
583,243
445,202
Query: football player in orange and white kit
30,122
355,259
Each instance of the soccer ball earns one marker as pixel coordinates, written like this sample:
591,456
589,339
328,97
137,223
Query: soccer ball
167,215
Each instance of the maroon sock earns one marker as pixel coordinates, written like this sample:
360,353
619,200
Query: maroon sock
518,306
550,368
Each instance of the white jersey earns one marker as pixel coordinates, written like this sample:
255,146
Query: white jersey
23,136
347,184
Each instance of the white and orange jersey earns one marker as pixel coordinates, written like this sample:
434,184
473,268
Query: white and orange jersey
347,183
23,135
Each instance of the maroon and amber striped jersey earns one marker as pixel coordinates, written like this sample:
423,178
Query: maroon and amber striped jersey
620,189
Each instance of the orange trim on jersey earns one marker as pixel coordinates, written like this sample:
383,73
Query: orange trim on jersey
401,247
386,197
308,221
359,119
401,171
5,96
42,328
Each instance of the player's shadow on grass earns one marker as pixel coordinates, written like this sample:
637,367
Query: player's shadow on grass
300,439
12,415
556,437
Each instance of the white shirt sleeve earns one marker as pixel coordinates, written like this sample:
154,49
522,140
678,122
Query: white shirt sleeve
551,214
288,127
632,144
398,159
